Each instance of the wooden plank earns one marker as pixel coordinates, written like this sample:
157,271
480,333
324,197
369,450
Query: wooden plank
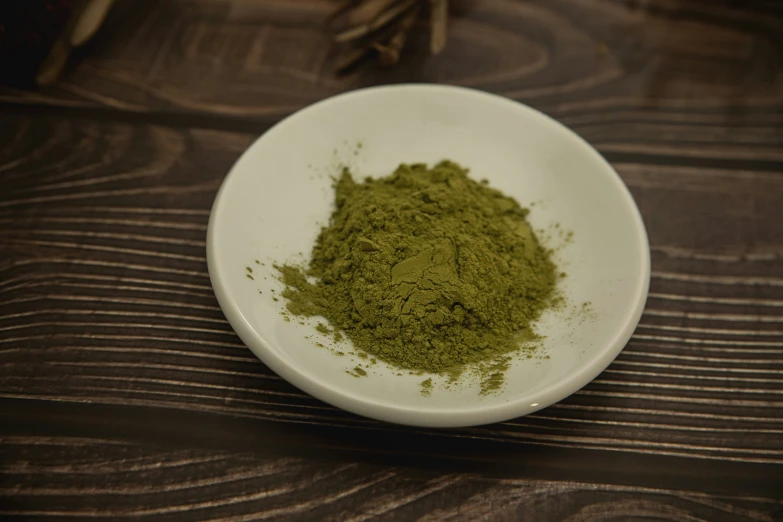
104,287
129,480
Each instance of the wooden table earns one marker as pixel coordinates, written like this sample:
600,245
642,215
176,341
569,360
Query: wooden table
125,393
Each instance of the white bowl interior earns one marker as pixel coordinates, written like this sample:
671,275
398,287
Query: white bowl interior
277,196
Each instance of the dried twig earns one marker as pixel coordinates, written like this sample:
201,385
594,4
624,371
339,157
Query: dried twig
368,11
370,45
352,58
384,18
90,20
439,14
342,7
389,53
383,26
87,18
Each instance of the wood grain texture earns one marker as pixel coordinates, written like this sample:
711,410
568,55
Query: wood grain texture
125,393
212,485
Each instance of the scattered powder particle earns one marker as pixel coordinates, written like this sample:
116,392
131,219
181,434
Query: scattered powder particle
492,374
356,372
249,270
338,337
426,387
250,277
322,328
585,313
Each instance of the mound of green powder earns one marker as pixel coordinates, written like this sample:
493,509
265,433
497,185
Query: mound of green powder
425,269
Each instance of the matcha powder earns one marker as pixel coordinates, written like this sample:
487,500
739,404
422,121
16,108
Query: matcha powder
427,270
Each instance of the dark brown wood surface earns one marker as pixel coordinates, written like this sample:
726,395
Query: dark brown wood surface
125,393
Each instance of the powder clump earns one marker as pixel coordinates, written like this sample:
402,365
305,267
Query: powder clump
426,387
425,269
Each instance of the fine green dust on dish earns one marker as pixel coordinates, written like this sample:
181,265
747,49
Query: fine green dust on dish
586,313
357,372
492,375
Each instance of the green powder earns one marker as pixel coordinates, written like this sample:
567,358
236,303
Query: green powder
427,270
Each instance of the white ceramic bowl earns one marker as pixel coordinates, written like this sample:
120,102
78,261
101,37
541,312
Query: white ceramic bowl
276,197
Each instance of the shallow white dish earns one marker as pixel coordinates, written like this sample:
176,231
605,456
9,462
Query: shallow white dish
274,200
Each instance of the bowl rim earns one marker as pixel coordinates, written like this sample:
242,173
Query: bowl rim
422,416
